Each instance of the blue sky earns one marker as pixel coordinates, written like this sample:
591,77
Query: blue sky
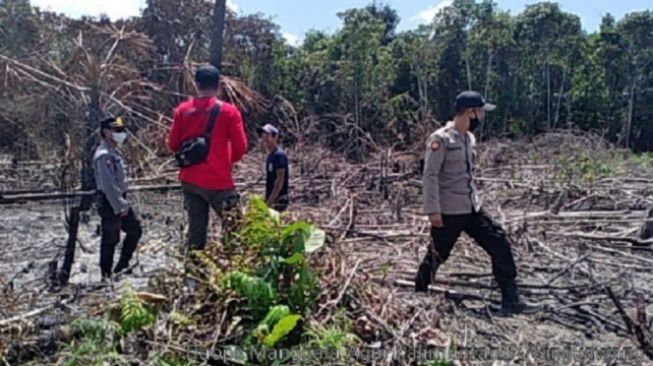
298,16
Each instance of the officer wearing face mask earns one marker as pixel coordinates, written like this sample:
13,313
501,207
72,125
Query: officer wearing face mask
112,204
452,205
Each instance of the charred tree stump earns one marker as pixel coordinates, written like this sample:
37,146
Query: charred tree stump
647,228
69,254
87,178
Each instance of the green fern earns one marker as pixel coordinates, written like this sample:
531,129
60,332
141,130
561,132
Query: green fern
260,227
95,347
134,315
94,329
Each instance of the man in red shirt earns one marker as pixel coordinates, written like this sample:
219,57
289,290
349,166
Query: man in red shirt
208,183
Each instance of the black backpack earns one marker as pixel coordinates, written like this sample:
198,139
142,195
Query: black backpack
195,150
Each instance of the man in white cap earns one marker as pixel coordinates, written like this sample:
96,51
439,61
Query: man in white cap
276,168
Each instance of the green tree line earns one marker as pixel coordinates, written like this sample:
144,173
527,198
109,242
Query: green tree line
367,84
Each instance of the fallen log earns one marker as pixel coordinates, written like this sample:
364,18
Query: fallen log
33,313
633,241
19,198
8,198
449,294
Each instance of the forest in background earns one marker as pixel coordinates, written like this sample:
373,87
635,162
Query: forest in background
337,272
367,85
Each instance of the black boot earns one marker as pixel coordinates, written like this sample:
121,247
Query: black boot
106,277
423,278
124,270
511,303
122,267
426,273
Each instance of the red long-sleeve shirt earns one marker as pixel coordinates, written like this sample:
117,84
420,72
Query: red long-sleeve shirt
228,142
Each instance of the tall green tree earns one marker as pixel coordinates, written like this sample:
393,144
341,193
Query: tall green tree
637,31
491,51
365,67
450,31
548,40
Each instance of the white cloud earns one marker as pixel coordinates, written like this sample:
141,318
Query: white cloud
292,39
115,9
231,4
427,15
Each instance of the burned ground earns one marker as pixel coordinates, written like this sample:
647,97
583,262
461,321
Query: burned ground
572,208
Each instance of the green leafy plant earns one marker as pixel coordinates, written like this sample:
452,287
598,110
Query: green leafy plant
279,286
275,314
260,227
134,315
281,329
582,168
94,344
171,361
337,335
259,294
331,337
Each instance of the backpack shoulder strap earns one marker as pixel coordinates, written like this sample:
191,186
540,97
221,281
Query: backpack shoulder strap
213,117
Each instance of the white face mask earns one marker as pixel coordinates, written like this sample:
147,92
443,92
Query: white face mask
119,137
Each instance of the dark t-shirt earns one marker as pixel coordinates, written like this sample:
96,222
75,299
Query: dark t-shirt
276,160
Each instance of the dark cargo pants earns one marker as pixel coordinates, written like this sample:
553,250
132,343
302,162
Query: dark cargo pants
196,202
112,224
488,234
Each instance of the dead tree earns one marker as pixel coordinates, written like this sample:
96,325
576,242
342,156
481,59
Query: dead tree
217,37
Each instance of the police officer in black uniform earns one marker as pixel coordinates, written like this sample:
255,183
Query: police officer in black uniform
113,207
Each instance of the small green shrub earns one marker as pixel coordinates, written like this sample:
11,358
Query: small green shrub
134,315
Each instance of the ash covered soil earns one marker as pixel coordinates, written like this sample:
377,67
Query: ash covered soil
34,234
566,256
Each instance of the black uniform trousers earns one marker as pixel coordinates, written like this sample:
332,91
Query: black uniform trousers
112,224
488,234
